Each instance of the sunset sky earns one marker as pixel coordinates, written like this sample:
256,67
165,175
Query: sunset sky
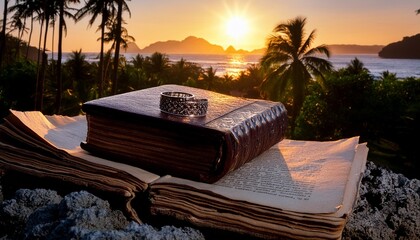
245,24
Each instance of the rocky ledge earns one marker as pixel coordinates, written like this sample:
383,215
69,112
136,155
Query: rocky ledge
388,207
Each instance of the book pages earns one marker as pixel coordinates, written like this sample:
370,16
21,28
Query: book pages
298,176
354,179
66,133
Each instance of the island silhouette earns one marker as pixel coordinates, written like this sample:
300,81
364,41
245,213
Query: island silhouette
196,45
407,48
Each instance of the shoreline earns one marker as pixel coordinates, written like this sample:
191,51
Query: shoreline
234,64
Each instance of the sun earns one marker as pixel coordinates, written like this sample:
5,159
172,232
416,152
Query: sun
237,27
236,24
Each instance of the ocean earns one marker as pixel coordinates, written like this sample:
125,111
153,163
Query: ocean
233,64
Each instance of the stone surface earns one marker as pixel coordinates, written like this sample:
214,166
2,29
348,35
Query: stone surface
388,207
42,214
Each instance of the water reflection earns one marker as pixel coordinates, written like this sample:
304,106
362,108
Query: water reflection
236,63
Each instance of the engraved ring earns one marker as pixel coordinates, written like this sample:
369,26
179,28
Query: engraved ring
182,104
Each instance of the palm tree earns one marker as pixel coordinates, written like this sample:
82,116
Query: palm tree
46,15
156,67
139,76
24,9
388,76
112,34
3,33
209,77
356,67
250,81
79,72
36,10
19,25
62,5
76,65
107,10
291,63
418,11
138,61
50,9
179,72
122,6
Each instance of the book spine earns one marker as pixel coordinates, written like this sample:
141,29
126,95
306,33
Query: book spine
256,134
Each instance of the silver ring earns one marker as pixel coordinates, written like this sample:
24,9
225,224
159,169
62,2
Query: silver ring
182,104
178,96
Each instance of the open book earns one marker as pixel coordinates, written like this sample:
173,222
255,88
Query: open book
296,189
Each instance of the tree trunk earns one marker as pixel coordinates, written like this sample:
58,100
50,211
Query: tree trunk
101,54
39,54
59,59
29,38
3,34
20,44
43,69
117,48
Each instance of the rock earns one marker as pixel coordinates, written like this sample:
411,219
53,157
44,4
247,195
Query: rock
42,214
14,213
388,207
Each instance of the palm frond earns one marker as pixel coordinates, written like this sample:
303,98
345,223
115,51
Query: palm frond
322,49
318,67
307,44
321,65
274,42
126,8
296,33
275,81
273,59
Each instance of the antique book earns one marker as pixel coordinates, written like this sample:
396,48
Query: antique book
294,190
133,128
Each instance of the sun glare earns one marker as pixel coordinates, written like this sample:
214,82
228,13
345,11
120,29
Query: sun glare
237,27
236,24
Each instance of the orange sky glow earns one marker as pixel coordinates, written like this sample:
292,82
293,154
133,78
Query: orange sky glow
245,24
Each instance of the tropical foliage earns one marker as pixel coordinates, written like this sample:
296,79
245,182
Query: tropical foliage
46,12
291,64
384,112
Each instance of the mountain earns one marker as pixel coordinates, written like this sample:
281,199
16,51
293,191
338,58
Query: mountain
190,45
408,48
354,49
195,45
132,48
232,50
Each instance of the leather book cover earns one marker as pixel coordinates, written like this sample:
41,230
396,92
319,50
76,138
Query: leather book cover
131,127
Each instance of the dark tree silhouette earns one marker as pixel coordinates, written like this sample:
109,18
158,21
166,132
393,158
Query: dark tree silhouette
122,6
107,10
3,33
62,5
291,63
